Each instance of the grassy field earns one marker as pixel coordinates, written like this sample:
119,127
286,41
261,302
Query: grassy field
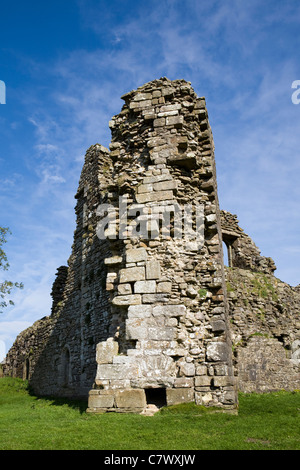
264,422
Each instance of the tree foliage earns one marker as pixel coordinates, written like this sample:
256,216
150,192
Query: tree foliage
6,287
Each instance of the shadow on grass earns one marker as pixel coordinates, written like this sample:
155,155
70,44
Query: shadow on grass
74,403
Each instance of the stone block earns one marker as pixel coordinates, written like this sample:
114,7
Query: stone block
142,96
132,274
165,185
218,351
164,287
154,298
175,352
168,91
106,350
152,269
117,371
203,381
124,289
169,310
170,107
135,255
139,311
229,398
167,113
145,188
186,160
154,196
176,121
131,299
161,333
176,396
131,398
203,398
159,122
113,260
187,369
145,287
157,178
101,401
201,370
218,325
184,382
121,359
138,105
136,329
224,381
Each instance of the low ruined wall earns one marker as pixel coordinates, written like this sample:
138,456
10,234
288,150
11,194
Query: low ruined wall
263,365
23,356
265,325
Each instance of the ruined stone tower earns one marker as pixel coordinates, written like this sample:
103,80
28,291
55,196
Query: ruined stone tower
140,316
168,334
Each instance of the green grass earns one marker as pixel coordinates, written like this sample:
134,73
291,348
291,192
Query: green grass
264,422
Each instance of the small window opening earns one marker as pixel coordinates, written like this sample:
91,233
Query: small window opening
156,396
225,254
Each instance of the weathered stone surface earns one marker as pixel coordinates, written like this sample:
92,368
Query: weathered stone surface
218,325
139,311
217,351
154,196
106,350
131,398
117,371
176,396
124,289
153,269
164,287
153,297
203,381
133,299
135,255
169,310
101,401
136,329
113,260
132,274
145,287
161,334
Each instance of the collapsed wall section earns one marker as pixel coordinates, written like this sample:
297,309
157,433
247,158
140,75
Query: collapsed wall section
241,250
169,328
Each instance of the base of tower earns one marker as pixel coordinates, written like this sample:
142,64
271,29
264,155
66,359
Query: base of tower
148,401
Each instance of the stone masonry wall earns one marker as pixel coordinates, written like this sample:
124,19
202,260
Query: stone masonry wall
145,311
64,363
265,325
167,291
242,251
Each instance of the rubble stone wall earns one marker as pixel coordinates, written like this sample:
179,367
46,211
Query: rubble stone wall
265,326
145,311
167,290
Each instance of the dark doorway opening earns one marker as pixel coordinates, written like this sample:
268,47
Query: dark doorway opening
156,396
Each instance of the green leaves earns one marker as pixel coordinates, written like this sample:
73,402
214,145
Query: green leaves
6,287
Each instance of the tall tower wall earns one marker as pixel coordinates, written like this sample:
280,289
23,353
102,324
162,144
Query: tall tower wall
169,334
140,314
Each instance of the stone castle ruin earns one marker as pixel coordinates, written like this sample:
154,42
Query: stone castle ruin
146,312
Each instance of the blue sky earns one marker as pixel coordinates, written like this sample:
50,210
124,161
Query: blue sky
67,63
